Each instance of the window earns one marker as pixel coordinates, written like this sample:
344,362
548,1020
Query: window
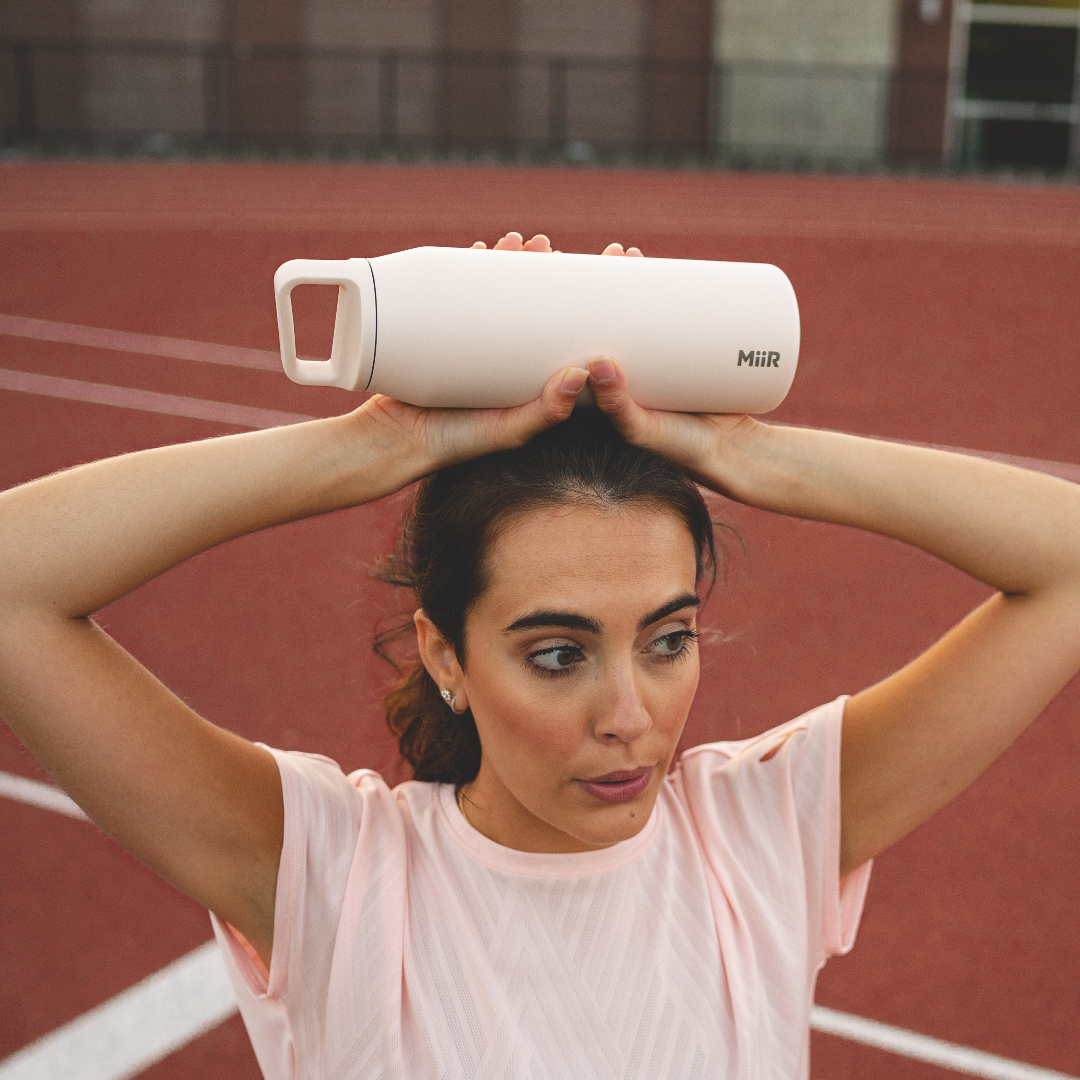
1014,98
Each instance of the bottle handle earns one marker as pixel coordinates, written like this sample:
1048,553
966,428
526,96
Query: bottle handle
353,352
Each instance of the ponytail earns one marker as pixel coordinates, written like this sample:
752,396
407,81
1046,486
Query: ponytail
441,746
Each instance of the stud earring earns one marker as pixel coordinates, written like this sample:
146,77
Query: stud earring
448,697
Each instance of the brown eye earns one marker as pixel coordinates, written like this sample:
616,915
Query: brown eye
673,646
556,660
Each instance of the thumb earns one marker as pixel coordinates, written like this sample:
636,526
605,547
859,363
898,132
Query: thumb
555,403
608,384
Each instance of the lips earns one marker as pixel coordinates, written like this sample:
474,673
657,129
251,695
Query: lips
618,787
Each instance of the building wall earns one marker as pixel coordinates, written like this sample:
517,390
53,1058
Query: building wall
170,20
145,94
638,72
599,72
344,97
179,84
477,104
596,99
678,45
264,78
920,82
778,93
50,96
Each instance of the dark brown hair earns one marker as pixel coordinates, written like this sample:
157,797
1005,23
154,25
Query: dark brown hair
455,517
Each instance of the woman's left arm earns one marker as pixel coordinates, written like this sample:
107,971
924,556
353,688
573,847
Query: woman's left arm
917,739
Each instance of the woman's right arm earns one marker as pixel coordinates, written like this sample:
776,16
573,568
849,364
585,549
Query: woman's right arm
199,805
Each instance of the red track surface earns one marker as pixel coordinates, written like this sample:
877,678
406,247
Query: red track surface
940,312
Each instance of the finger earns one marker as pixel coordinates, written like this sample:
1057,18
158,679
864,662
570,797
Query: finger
538,243
612,395
510,242
613,249
554,404
480,244
634,252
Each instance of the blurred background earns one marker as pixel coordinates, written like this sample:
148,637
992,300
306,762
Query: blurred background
842,84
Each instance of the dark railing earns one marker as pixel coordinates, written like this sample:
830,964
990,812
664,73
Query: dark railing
241,98
156,97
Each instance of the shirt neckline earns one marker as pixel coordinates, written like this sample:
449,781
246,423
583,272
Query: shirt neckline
537,864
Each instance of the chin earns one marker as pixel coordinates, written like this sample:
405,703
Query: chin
609,825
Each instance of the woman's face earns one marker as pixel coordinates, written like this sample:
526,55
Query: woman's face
580,669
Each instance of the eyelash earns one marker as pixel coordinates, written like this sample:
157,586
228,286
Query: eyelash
684,636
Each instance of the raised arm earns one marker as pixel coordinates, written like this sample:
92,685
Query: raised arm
916,740
197,804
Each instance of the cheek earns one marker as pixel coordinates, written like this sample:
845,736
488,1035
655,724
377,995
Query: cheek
669,698
523,718
535,738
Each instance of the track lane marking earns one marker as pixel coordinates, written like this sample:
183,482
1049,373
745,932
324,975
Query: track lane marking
265,360
143,1024
147,344
146,400
36,793
132,1031
911,1044
51,1057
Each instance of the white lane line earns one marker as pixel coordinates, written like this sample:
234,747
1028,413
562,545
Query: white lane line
146,400
911,1044
147,344
265,360
135,1029
35,793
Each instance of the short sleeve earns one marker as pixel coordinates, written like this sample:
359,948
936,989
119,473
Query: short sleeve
768,815
323,814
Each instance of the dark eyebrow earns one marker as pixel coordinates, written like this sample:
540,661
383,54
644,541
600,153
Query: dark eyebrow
539,620
567,619
680,602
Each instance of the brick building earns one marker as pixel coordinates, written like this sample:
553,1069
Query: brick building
847,82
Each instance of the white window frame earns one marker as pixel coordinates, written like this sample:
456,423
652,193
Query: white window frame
958,108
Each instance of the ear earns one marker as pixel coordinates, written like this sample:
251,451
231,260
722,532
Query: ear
437,655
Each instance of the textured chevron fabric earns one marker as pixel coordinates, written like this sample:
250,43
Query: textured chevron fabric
408,945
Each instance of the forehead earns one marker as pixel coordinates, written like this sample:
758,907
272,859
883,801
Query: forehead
580,554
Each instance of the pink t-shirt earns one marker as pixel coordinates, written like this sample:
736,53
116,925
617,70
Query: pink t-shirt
408,945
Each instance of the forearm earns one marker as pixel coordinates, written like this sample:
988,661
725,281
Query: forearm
1016,530
73,542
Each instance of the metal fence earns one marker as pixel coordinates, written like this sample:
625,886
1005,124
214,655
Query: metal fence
155,97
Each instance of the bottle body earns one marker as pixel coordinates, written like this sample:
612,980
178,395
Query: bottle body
468,328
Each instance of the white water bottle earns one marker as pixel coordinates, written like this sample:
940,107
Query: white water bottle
472,328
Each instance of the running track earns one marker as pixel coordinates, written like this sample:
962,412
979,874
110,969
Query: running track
941,313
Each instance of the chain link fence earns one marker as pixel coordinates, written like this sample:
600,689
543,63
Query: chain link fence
160,98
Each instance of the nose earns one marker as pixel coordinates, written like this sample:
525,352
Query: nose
622,714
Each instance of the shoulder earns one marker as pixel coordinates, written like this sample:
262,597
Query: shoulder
311,783
766,814
334,817
782,775
328,815
315,787
812,735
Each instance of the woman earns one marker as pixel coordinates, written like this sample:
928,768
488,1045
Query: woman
560,904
